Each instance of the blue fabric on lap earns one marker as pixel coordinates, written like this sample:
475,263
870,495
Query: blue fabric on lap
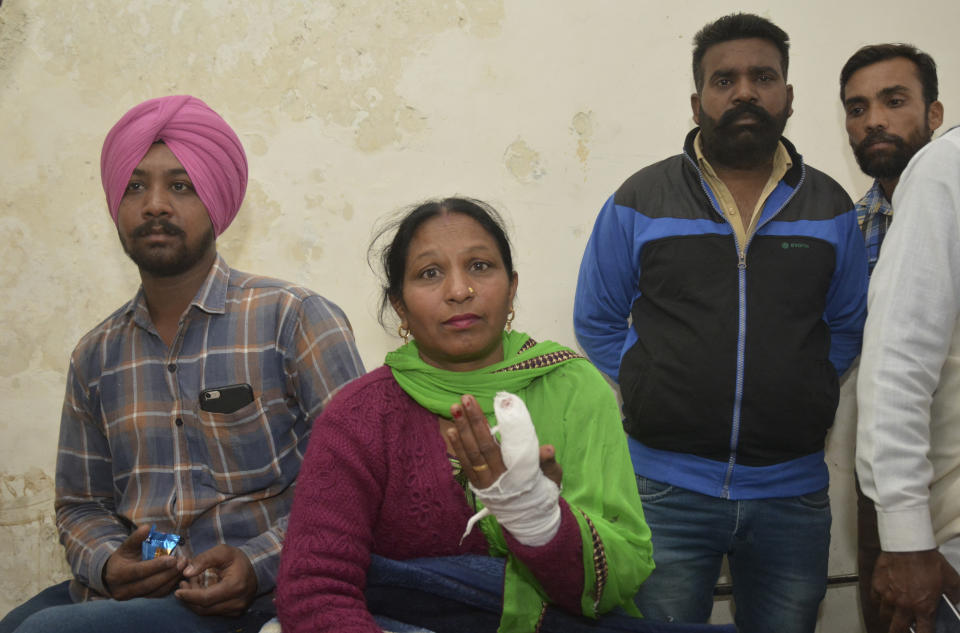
464,592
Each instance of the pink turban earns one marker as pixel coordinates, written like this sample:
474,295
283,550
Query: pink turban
202,141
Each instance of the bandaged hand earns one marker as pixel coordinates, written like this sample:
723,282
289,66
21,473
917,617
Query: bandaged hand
507,477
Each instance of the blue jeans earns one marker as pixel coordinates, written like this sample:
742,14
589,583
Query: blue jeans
52,611
777,550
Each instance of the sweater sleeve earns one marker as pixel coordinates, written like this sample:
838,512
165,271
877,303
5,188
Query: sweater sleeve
606,286
326,551
914,308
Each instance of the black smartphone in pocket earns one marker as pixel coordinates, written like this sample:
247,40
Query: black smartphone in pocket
226,399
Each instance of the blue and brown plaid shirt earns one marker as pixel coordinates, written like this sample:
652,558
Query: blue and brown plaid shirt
874,214
136,449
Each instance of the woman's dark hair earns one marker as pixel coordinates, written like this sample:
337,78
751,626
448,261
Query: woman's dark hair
392,257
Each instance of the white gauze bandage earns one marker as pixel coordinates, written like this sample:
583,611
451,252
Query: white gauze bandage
523,499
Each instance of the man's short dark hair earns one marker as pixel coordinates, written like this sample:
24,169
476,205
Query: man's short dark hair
868,55
738,26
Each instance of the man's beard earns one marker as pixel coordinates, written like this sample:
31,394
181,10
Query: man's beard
742,146
892,162
166,262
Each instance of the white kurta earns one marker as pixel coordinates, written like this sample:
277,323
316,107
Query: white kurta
908,390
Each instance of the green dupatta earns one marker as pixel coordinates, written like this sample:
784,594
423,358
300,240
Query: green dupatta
524,360
574,409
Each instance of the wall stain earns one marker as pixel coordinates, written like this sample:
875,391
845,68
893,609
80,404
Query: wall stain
257,212
255,144
33,239
15,236
523,162
13,36
25,497
313,202
322,60
28,527
583,125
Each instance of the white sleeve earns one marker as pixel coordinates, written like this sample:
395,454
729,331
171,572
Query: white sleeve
914,302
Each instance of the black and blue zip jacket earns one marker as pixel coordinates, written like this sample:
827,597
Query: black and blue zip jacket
728,364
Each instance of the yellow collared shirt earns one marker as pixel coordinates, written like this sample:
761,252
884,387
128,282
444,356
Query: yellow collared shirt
781,163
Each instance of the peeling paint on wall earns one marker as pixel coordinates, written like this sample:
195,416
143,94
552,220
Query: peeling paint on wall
333,60
25,497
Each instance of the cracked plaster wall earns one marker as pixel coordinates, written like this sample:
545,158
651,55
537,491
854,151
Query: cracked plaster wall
349,111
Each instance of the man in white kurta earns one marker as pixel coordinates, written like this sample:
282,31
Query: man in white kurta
908,391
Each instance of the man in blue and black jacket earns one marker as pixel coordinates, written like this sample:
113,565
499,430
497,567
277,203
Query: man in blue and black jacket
724,289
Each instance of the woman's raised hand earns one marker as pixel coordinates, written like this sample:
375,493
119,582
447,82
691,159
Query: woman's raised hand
474,444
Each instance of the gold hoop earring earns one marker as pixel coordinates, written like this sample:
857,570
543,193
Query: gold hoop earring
403,333
510,316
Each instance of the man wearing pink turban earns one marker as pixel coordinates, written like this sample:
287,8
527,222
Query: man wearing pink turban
187,410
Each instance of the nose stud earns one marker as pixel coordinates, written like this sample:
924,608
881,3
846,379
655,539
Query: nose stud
471,291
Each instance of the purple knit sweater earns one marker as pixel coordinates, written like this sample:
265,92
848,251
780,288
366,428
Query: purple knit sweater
376,480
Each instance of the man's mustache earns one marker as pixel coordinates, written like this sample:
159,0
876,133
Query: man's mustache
880,137
730,116
157,225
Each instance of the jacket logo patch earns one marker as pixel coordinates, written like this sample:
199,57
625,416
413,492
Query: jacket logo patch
788,245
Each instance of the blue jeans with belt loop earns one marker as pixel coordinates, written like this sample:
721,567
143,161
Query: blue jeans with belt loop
777,550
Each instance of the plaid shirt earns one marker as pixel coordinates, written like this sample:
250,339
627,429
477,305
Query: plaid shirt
874,214
136,449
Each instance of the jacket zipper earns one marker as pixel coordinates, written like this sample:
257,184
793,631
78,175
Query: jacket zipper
742,317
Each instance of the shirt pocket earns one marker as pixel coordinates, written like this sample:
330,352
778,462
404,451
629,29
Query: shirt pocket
241,452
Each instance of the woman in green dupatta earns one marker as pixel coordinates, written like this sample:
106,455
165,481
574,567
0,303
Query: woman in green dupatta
450,279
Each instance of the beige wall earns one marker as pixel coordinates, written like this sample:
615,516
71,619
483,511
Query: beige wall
349,110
